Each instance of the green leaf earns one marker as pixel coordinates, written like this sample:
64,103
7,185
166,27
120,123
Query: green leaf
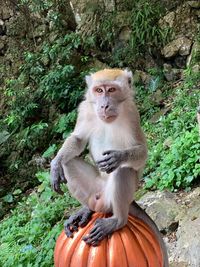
17,192
4,135
50,151
43,176
8,198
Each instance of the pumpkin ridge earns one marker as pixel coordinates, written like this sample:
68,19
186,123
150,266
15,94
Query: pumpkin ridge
154,242
129,239
147,246
116,248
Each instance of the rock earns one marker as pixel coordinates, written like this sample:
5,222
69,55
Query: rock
53,36
194,4
167,20
185,46
157,97
168,142
45,60
158,114
3,42
195,194
171,74
188,243
97,64
37,161
16,26
6,12
181,45
196,68
197,13
39,31
162,208
194,55
2,28
125,34
178,215
167,4
141,76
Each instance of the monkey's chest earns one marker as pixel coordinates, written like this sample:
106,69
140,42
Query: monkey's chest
113,140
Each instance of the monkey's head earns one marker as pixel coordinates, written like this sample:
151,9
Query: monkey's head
107,90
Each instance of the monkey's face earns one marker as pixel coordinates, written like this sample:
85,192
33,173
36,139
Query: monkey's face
107,100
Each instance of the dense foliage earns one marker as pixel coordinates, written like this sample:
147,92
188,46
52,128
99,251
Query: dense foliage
27,236
174,146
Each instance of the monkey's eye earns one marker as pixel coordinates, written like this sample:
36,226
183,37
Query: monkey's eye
99,90
111,89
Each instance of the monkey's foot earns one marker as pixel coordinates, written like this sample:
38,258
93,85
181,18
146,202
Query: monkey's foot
81,218
102,228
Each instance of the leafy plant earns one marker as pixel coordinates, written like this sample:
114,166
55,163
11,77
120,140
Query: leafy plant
174,146
141,19
28,234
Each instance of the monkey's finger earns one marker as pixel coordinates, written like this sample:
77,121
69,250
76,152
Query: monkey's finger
104,160
111,170
95,244
104,169
95,239
107,152
62,176
73,228
68,232
96,235
83,222
108,162
87,237
95,230
56,188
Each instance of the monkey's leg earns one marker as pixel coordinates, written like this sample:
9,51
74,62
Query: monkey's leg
138,212
83,183
119,191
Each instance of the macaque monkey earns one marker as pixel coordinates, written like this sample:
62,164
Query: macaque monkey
109,123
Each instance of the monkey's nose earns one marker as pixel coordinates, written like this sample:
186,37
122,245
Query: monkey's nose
105,107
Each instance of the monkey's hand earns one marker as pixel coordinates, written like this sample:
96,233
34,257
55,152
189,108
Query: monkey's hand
111,161
102,228
81,218
57,175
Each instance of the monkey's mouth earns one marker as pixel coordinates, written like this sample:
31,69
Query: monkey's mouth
109,118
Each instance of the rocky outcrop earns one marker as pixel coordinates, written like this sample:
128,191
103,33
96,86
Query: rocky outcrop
181,46
22,30
178,218
184,24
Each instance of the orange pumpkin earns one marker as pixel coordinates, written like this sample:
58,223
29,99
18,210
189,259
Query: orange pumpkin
134,245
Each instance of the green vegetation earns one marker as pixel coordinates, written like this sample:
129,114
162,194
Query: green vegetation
140,18
58,84
28,235
174,146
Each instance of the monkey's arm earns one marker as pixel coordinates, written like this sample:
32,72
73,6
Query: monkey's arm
72,147
114,158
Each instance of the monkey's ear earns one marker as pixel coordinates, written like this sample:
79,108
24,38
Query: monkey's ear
88,79
129,76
